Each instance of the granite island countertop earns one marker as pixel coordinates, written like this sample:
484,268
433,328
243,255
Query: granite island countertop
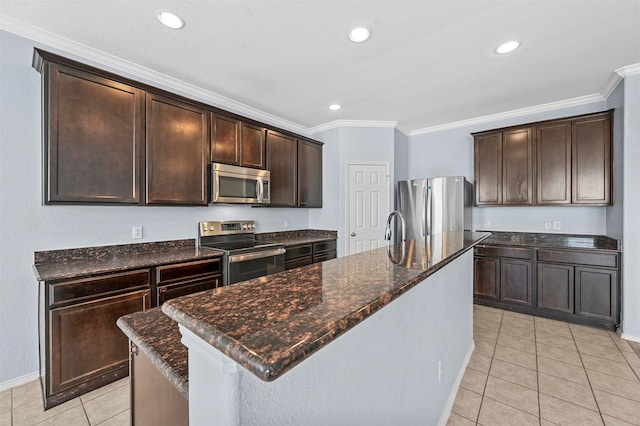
298,237
270,324
84,262
158,337
561,241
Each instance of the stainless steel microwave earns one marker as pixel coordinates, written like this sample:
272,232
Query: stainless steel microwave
239,185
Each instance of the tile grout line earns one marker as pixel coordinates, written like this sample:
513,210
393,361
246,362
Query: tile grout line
584,367
84,410
535,345
489,371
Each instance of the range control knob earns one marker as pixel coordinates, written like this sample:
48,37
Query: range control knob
253,226
244,226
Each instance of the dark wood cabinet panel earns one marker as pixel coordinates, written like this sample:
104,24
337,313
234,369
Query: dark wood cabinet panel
177,152
555,287
225,139
517,166
596,293
154,400
85,342
486,282
309,174
178,289
184,278
282,162
553,163
516,281
591,159
93,133
253,146
307,254
488,168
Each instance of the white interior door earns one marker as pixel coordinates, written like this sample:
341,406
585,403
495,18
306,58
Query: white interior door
368,205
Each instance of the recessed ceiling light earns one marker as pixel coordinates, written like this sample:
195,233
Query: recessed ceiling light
359,34
334,107
507,47
170,19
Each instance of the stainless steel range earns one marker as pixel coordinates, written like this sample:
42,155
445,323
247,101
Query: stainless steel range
243,257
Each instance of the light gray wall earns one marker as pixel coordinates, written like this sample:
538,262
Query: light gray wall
401,156
631,194
450,152
615,212
344,145
27,226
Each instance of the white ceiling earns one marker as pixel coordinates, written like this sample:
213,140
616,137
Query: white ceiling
427,63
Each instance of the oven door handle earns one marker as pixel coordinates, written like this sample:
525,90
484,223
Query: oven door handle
255,255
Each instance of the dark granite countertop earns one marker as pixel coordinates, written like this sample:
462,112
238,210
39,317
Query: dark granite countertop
563,241
82,262
270,324
298,237
158,337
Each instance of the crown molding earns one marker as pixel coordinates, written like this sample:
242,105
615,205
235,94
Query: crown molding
567,103
629,70
352,123
84,53
611,85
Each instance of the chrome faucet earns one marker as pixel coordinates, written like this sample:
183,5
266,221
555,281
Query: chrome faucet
387,231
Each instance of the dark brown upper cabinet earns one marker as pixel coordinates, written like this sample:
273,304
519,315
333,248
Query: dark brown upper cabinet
591,159
282,162
553,162
572,163
177,150
309,174
93,129
504,167
236,142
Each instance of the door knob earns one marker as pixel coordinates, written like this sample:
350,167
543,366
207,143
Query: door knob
353,234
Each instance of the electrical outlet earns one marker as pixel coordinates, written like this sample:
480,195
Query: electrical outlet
136,232
557,225
487,224
547,225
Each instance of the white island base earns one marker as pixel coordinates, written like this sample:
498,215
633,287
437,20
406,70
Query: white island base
402,365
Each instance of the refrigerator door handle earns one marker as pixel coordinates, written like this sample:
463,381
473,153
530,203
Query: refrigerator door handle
428,207
423,231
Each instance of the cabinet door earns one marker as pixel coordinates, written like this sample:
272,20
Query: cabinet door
591,160
516,281
188,287
85,341
92,138
309,174
177,152
488,168
517,166
597,293
555,287
486,278
553,161
225,139
253,151
282,160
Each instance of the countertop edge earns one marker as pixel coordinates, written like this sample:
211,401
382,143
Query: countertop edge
269,370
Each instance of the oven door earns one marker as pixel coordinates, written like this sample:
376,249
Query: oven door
244,266
239,185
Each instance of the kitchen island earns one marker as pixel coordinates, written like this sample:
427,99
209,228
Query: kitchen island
314,345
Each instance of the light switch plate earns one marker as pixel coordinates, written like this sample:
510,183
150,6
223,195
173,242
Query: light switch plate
136,232
557,225
547,225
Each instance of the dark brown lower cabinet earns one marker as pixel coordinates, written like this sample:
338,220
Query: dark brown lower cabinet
180,279
307,254
154,400
579,286
81,346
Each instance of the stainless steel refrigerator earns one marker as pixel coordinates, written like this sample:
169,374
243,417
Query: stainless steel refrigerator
434,205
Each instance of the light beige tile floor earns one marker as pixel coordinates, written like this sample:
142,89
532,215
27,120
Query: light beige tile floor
106,406
528,370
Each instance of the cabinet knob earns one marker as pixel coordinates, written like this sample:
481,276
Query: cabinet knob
353,234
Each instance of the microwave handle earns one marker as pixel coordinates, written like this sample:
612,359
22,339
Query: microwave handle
259,193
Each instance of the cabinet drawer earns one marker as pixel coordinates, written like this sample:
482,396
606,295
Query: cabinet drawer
513,252
324,246
298,262
321,257
607,260
187,270
298,251
171,291
68,291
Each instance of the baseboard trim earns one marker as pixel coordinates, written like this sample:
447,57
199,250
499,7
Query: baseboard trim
454,391
627,336
18,381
